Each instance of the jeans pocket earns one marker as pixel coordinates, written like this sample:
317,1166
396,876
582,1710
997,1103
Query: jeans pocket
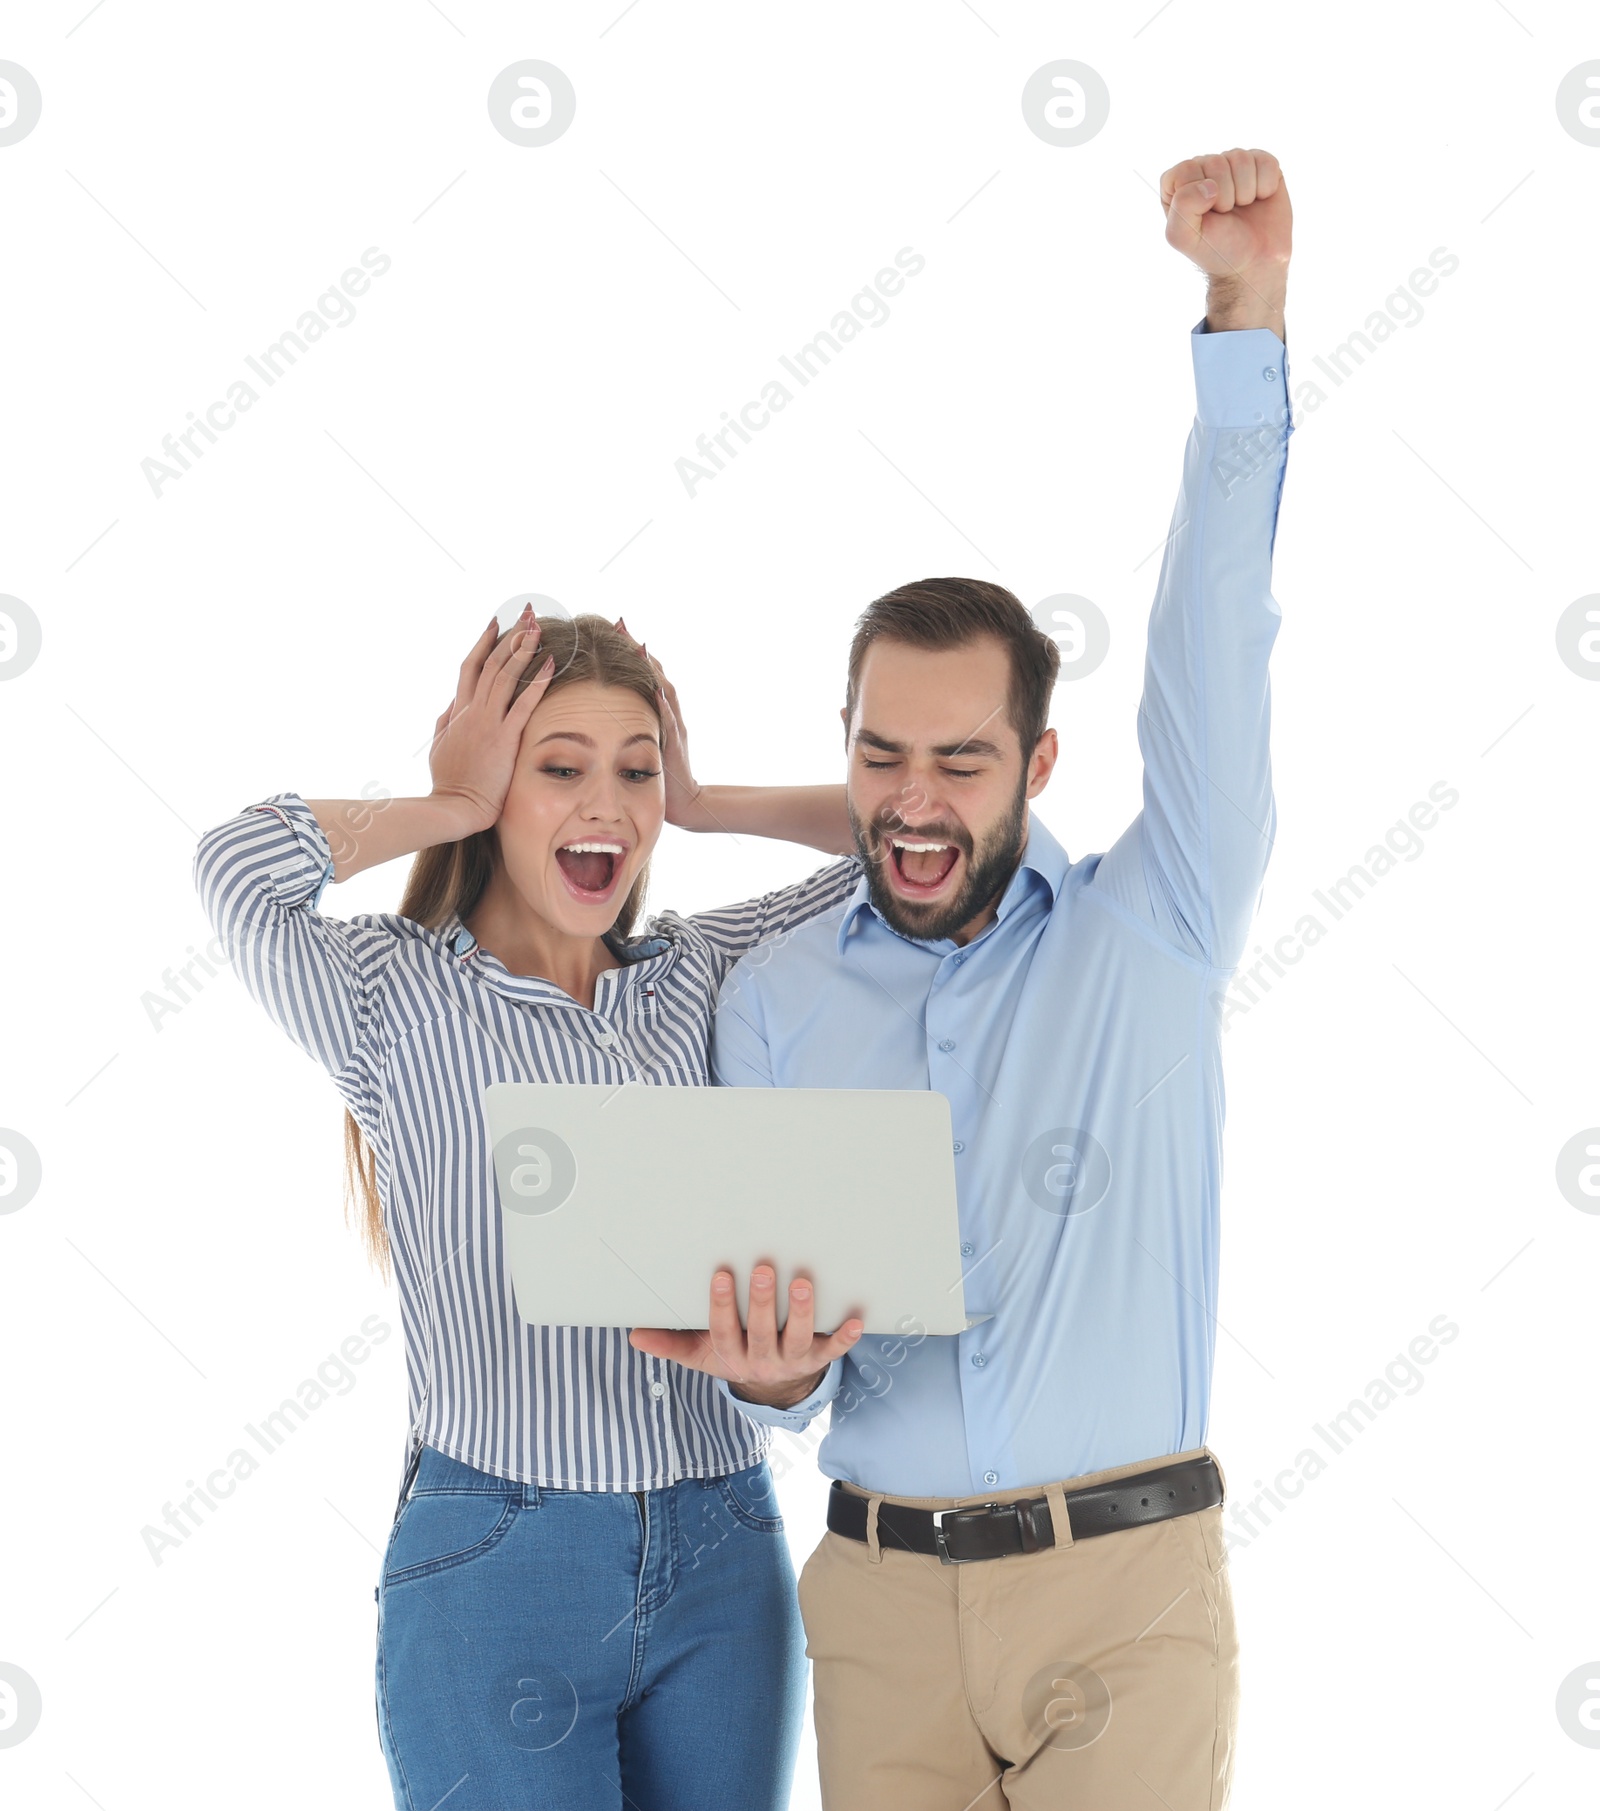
440,1530
753,1497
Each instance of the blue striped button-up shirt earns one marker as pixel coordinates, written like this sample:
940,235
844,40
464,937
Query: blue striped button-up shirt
412,1024
1077,1039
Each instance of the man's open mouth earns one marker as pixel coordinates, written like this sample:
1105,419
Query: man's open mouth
920,867
590,869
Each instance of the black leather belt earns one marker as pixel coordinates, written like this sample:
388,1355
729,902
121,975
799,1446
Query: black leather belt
992,1530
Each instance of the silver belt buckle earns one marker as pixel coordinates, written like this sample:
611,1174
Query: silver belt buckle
946,1557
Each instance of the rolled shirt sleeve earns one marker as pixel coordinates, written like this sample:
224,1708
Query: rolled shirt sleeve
259,876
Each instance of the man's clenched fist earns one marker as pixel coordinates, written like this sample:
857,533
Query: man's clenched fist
1229,214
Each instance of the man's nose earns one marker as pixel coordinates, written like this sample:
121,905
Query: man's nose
918,799
919,807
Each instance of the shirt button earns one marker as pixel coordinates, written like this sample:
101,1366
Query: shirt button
947,1043
958,1147
979,1360
991,1477
658,1389
966,1248
1270,374
961,956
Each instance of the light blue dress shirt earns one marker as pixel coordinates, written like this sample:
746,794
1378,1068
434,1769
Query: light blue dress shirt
1077,1039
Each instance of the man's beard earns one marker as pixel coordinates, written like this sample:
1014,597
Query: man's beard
988,869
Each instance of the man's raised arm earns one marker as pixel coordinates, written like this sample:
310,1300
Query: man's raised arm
1192,863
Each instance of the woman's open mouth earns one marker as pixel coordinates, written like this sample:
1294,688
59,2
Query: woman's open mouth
590,869
921,868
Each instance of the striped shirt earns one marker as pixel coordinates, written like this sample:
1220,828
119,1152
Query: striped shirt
413,1023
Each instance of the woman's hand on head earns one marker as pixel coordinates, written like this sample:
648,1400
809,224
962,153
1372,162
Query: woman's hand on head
476,737
683,790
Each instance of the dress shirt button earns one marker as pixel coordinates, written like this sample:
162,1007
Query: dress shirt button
960,957
991,1477
966,1248
979,1360
1271,373
947,1043
958,1147
658,1389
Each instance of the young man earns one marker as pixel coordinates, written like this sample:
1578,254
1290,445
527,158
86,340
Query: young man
1023,1595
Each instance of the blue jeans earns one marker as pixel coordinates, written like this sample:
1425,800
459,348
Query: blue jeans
588,1650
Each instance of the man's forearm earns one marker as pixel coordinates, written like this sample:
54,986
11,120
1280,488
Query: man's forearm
777,1398
1250,299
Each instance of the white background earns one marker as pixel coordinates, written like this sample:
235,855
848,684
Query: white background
503,415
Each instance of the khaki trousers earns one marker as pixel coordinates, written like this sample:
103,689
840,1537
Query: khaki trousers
1100,1675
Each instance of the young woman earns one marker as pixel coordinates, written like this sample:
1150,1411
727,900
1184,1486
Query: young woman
587,1599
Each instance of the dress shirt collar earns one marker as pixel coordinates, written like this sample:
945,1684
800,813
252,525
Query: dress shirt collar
464,947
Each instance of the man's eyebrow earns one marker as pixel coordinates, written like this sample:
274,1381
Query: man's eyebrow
577,735
976,748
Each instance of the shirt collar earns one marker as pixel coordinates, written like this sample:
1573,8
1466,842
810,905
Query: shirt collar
460,944
1044,861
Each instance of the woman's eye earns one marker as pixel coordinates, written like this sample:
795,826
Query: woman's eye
641,773
560,773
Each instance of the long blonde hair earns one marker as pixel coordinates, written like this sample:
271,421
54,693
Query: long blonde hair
451,877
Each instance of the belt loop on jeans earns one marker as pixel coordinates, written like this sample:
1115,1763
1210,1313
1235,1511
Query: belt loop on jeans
1060,1521
874,1551
1221,1474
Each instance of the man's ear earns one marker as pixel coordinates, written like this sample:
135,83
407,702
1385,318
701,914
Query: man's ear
1046,752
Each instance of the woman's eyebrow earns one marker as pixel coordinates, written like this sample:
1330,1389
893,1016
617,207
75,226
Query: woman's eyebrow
577,735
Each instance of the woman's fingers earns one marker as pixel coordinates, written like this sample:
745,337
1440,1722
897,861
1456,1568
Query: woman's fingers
521,641
527,700
502,684
665,686
481,657
670,693
472,666
674,743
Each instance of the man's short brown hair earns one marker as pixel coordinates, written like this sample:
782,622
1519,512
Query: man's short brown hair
948,613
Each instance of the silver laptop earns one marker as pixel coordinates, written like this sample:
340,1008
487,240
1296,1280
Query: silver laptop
618,1203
